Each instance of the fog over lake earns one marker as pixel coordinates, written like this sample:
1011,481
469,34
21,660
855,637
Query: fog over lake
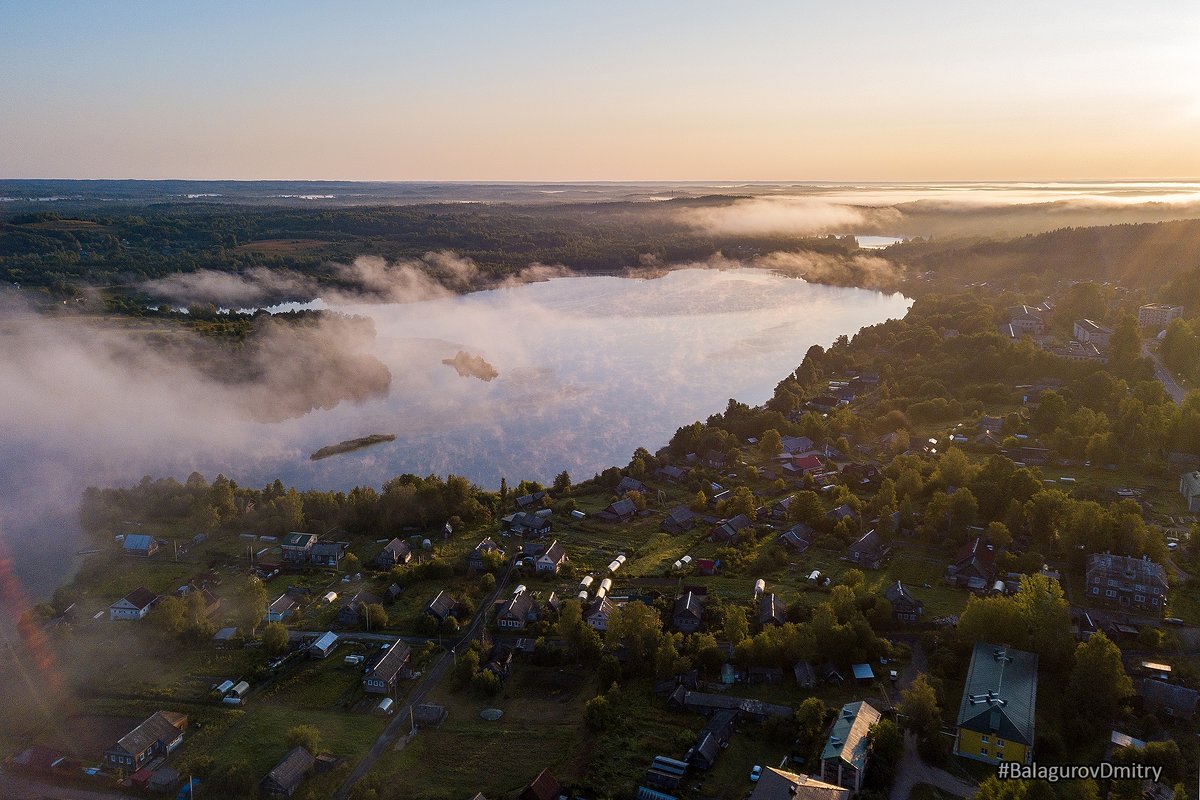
587,370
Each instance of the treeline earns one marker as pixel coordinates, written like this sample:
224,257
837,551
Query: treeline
102,249
407,501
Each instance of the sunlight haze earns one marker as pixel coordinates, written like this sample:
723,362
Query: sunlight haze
615,91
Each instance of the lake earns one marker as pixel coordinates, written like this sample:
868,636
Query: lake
586,370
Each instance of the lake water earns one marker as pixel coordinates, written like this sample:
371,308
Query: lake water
588,369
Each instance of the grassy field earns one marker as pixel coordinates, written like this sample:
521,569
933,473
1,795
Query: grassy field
541,728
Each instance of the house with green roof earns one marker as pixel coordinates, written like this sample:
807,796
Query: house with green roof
844,758
995,719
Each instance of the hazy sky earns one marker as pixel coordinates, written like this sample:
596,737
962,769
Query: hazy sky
605,91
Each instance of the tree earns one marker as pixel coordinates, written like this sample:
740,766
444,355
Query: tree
275,638
637,626
351,563
736,625
771,443
597,713
306,736
375,616
1098,683
810,719
1124,346
562,484
920,712
250,604
169,615
886,746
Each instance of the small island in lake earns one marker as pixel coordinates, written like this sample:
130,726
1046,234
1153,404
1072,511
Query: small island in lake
469,366
352,444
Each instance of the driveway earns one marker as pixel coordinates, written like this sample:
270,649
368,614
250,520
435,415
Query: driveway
912,770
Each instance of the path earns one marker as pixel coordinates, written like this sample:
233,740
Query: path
400,724
912,770
1164,375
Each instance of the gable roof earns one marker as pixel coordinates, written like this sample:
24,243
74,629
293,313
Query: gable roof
1177,698
397,547
161,726
1000,693
897,592
441,605
688,604
622,507
555,553
140,598
328,549
976,553
392,662
680,515
629,484
770,609
775,784
848,738
292,768
519,606
869,542
485,546
1141,570
543,787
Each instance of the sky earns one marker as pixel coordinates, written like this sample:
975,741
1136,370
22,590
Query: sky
612,91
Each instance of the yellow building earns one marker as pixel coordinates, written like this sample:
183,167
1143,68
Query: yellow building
995,720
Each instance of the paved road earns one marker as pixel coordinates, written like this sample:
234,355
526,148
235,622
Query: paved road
1164,375
912,770
25,788
433,675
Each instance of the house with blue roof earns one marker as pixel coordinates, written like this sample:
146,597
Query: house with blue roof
995,719
139,545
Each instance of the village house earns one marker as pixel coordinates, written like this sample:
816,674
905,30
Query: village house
868,551
517,612
728,530
713,738
285,777
527,501
905,607
543,787
160,734
995,719
622,510
844,757
805,675
775,784
771,610
794,445
688,613
628,485
842,512
679,520
973,566
475,559
1132,583
296,547
441,607
797,538
552,559
1174,701
598,613
499,660
281,608
393,554
139,545
1025,320
327,554
1189,487
523,523
353,611
670,473
709,704
135,605
382,678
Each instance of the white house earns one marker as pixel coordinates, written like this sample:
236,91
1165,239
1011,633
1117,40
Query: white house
135,605
1189,487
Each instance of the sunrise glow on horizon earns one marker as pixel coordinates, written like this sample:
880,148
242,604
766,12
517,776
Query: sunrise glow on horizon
934,91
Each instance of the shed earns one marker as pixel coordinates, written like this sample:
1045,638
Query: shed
324,645
863,672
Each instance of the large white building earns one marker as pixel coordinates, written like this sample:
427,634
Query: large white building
1092,333
1189,487
1158,315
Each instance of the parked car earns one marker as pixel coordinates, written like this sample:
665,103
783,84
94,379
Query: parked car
755,773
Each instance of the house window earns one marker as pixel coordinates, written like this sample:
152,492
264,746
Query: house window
1110,593
983,751
983,739
999,743
1154,600
1095,590
1139,598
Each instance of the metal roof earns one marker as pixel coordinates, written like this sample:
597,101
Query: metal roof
325,640
1000,693
848,738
